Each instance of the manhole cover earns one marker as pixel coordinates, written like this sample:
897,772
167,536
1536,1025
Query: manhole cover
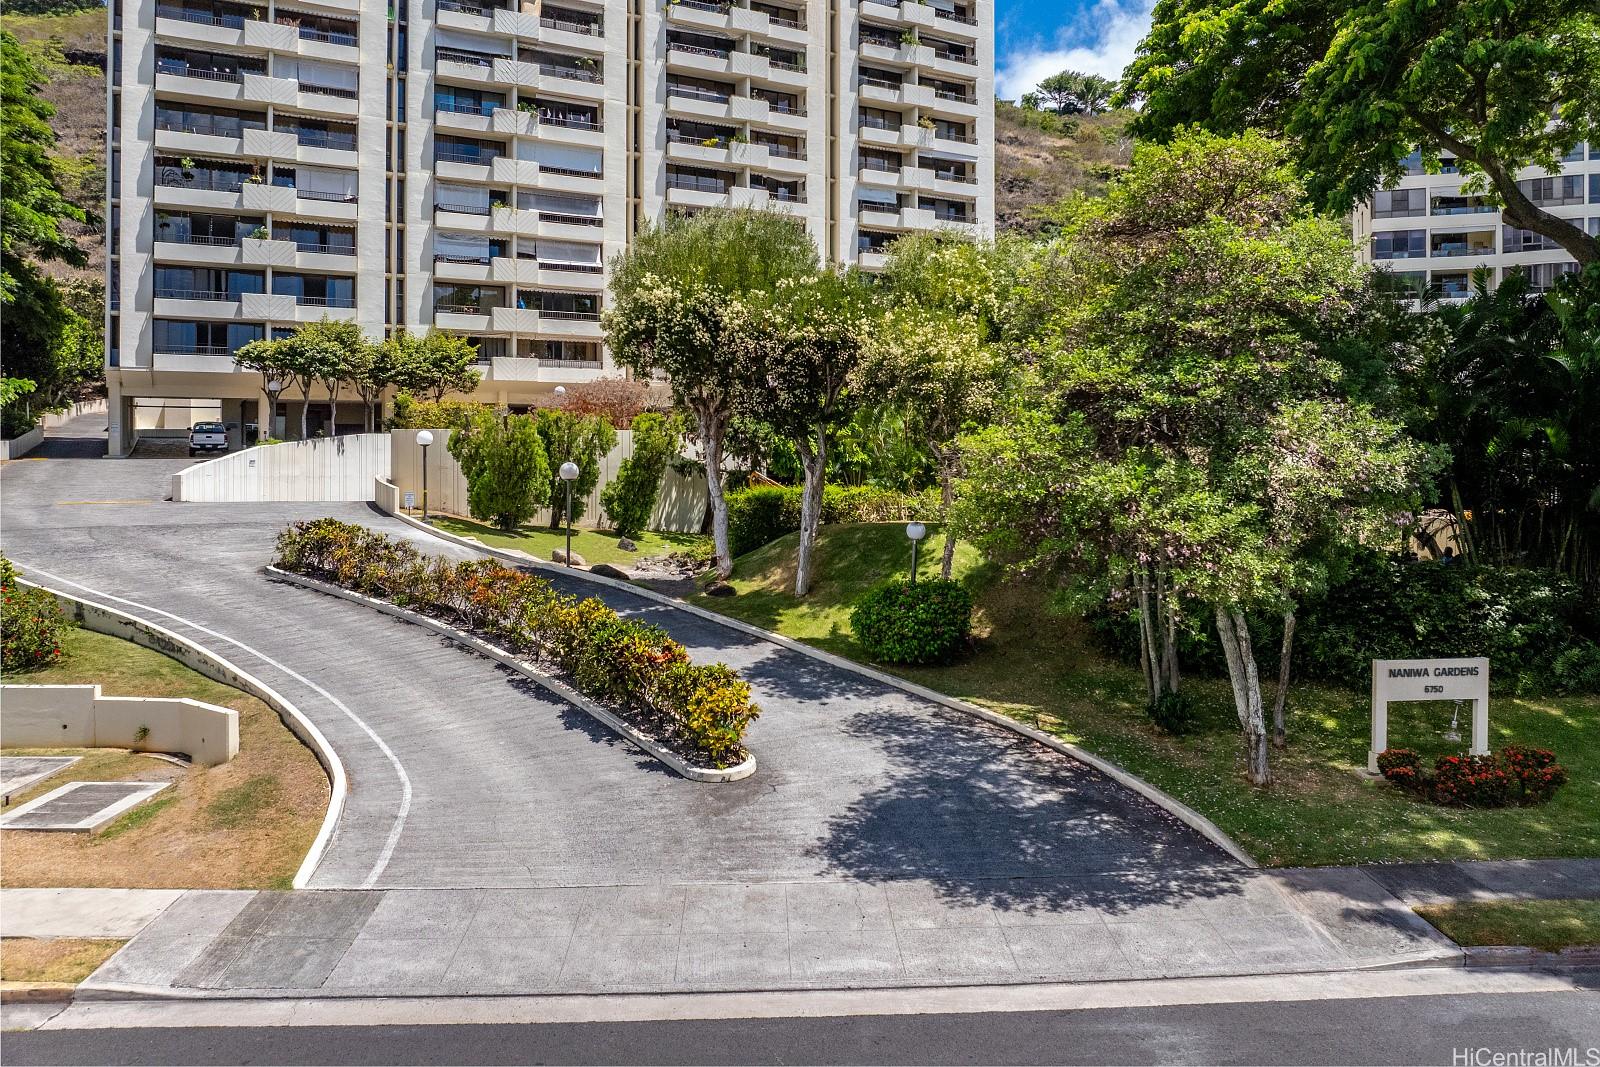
20,772
80,806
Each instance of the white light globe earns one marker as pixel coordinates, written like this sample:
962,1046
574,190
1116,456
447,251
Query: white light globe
569,471
424,438
916,531
561,392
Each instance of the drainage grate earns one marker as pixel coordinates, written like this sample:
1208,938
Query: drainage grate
80,806
22,772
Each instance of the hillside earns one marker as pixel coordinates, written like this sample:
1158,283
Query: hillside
70,49
1040,157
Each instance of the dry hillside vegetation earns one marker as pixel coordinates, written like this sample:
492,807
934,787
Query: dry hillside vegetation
1041,157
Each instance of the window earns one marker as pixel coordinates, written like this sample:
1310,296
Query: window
1400,244
179,337
1451,286
1513,239
1555,191
1544,276
316,290
1444,204
1399,203
1474,243
206,283
198,228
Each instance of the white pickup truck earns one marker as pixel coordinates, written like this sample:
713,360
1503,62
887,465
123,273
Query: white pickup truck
208,437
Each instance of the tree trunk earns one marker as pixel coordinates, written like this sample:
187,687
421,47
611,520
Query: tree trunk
1280,729
305,411
1149,648
711,427
813,458
1234,630
947,485
1169,632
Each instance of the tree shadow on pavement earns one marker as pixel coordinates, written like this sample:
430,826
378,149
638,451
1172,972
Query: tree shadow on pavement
988,817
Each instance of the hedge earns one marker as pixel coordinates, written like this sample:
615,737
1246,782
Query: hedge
760,515
698,711
929,622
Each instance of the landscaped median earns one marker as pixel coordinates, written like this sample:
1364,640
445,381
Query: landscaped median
629,674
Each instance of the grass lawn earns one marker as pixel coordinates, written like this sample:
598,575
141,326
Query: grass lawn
595,546
1043,669
67,960
1547,924
243,825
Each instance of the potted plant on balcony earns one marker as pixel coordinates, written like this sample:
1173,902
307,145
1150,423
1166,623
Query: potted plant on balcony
260,233
925,122
909,38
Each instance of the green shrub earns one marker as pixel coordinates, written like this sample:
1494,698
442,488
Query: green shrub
1577,668
507,471
630,497
700,711
30,624
930,622
1174,713
762,514
411,413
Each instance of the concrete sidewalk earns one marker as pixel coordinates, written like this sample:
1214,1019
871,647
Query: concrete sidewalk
107,913
764,936
1466,881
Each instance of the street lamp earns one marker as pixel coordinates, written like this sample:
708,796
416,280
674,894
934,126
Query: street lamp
561,393
270,427
569,474
916,531
424,438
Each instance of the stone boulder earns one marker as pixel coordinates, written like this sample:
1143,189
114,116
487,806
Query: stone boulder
560,556
627,545
719,589
606,570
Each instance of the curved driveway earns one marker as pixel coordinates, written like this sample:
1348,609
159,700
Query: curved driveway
511,788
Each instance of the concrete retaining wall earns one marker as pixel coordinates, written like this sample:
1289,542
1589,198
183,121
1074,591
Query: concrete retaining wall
18,447
322,469
83,407
79,716
680,506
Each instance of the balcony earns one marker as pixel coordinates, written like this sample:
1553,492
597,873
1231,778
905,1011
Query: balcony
263,89
1451,245
700,15
897,14
760,24
469,318
514,320
259,196
514,121
269,144
198,251
279,306
698,59
267,252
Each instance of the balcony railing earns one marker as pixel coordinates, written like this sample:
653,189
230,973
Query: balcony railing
696,93
463,8
576,74
951,94
172,178
783,151
193,350
564,219
307,33
952,135
200,239
868,122
458,55
325,249
704,5
318,194
447,153
572,316
882,83
696,49
590,29
966,20
329,90
463,209
344,142
211,128
456,257
952,176
698,184
193,294
572,122
572,364
571,172
573,268
952,216
880,165
786,64
325,301
183,70
461,309
463,107
200,18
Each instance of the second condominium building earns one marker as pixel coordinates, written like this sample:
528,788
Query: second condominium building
473,167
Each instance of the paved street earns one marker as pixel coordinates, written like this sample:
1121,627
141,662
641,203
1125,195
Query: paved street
883,840
1374,1029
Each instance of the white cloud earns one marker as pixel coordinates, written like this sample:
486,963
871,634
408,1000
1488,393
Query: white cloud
1099,41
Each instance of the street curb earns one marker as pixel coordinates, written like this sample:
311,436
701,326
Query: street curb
1181,811
36,992
567,693
158,638
1522,957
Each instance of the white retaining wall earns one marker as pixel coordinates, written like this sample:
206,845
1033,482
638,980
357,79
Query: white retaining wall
20,446
79,716
83,407
321,469
680,505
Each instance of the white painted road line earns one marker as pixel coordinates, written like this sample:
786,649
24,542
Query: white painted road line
399,769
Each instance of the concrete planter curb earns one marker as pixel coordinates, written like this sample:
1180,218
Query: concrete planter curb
1522,957
1183,812
560,689
110,621
36,992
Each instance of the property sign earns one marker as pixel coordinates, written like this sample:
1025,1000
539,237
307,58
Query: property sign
410,503
1428,679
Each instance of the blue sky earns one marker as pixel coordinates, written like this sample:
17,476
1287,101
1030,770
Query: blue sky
1037,38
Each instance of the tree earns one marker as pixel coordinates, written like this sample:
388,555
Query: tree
327,352
266,358
343,349
584,439
370,374
1180,438
616,399
507,472
630,497
32,202
804,342
434,364
1359,84
1071,92
672,292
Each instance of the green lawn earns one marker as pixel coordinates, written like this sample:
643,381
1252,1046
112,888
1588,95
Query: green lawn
1548,924
1042,668
595,546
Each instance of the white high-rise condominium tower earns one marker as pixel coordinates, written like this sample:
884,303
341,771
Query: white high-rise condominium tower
474,166
1432,236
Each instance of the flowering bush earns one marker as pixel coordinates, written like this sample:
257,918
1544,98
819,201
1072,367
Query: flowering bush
699,711
30,622
1517,775
930,622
